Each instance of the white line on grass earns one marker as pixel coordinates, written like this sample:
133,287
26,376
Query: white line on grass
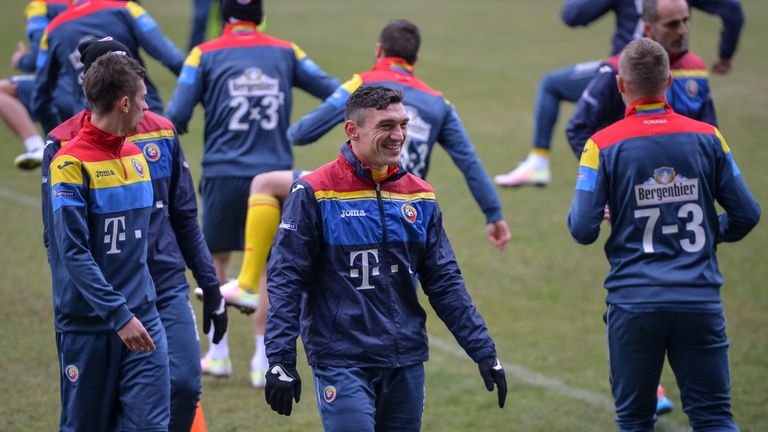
19,197
538,380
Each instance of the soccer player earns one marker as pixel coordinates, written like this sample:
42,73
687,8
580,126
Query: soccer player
16,91
666,22
661,173
567,84
433,120
356,235
94,19
111,344
174,239
244,79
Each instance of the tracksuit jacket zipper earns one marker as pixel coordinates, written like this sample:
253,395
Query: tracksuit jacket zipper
384,251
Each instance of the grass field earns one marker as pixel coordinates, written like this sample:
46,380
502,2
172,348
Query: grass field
542,298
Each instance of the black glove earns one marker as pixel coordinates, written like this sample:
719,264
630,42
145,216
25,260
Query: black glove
214,311
283,384
492,372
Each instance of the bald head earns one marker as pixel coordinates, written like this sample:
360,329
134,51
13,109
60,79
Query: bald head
644,69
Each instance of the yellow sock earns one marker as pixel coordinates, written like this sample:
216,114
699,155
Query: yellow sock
261,224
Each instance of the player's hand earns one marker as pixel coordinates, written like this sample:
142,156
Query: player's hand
607,213
135,336
214,312
492,372
21,50
498,234
721,66
283,384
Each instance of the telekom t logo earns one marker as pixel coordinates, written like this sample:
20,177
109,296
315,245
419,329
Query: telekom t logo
366,264
117,233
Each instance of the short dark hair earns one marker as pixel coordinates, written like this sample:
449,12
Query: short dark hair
651,10
644,67
109,78
401,38
376,97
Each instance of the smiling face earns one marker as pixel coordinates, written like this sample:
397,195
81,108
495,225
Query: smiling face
670,30
378,139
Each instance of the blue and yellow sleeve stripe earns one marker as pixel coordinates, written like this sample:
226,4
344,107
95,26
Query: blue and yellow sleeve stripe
590,159
36,14
188,71
342,93
728,154
141,17
66,182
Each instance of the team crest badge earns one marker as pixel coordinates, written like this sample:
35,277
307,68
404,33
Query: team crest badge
691,87
138,166
152,152
664,175
72,372
409,212
329,393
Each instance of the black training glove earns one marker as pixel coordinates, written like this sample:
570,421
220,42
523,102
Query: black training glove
283,384
492,372
214,311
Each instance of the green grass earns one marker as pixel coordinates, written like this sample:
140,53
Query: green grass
542,298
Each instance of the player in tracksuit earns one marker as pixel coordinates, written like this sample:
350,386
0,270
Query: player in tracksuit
94,19
433,119
244,79
174,240
16,91
356,237
660,174
567,84
689,95
111,344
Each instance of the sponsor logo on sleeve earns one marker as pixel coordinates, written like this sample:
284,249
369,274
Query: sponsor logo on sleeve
666,186
61,193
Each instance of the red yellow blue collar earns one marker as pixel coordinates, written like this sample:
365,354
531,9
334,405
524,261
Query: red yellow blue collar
648,106
240,27
396,64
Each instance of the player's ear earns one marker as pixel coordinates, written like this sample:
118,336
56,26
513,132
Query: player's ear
351,129
669,80
123,103
620,83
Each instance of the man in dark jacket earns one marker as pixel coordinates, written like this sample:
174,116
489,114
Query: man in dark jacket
356,237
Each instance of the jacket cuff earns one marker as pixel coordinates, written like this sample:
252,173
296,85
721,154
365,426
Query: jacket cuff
483,354
493,215
120,317
284,359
